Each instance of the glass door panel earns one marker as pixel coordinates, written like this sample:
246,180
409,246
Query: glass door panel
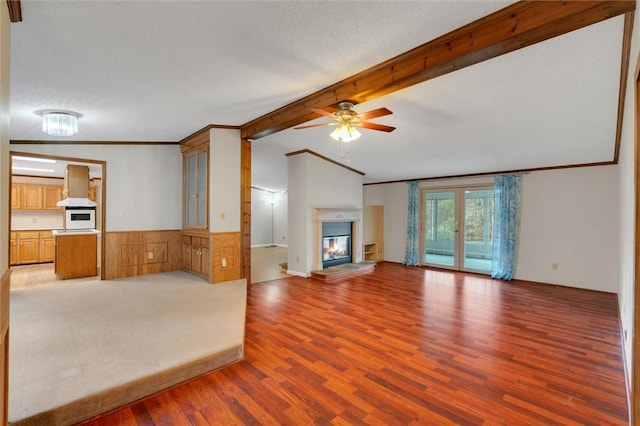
440,228
478,230
191,191
202,189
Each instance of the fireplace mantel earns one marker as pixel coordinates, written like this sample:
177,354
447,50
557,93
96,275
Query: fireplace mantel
338,215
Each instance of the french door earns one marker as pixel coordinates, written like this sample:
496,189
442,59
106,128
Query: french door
457,228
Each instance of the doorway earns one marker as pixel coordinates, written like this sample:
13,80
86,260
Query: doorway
457,228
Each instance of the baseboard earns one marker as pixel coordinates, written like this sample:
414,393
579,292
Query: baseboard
298,274
268,245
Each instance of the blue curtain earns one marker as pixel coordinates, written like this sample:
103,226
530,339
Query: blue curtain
412,255
506,221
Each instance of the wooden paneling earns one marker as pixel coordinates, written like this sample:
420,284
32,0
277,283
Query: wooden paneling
410,346
514,27
127,253
226,256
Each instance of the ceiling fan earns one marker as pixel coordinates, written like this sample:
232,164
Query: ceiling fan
347,120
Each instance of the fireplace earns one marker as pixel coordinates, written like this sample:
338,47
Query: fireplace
336,243
336,223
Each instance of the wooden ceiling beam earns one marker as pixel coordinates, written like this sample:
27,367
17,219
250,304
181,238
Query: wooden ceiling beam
15,10
514,27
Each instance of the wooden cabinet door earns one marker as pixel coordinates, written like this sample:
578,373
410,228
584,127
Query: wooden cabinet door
195,189
196,254
29,250
51,195
186,252
47,249
16,196
76,181
13,250
32,197
205,257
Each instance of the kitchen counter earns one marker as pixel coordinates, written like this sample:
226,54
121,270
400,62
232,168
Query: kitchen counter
76,253
62,232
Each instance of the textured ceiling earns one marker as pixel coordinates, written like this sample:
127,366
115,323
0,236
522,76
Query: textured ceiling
160,70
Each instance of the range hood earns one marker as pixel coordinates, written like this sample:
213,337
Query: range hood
76,202
76,187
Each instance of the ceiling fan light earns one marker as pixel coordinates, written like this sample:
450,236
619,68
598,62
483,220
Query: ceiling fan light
345,133
57,123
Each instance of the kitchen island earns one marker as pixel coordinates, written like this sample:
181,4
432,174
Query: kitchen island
76,253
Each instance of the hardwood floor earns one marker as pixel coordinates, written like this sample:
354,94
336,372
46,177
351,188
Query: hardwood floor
407,345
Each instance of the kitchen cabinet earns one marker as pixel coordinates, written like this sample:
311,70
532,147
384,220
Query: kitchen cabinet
196,256
31,247
31,197
35,197
28,247
50,197
76,181
195,187
16,196
76,255
47,247
13,249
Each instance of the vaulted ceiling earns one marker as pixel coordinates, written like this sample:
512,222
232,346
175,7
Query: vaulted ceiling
158,71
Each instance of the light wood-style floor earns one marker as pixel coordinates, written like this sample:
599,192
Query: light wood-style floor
408,345
38,275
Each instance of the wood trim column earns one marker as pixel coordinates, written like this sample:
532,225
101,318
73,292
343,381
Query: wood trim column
634,396
15,10
245,199
5,286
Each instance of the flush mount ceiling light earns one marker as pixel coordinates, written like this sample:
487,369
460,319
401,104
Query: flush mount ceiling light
59,123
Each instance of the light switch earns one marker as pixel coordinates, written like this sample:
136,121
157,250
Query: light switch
224,262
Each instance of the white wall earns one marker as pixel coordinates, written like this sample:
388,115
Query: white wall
143,182
316,183
626,219
261,201
224,180
568,217
5,161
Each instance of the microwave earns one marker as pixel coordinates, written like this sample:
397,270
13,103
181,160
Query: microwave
80,218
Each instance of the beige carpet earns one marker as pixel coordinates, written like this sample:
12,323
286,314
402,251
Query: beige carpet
83,348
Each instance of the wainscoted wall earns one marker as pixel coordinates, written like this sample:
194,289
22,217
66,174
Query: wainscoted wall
134,253
226,245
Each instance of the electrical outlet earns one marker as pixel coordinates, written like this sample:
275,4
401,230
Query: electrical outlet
150,255
224,262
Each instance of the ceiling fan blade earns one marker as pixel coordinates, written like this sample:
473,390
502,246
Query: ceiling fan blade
380,112
323,112
374,126
316,125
